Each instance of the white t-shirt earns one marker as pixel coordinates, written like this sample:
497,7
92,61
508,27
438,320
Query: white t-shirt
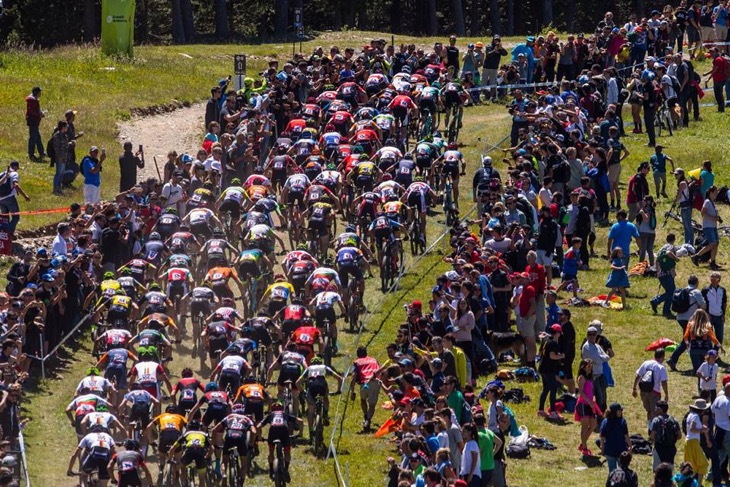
707,370
173,193
721,411
667,87
693,418
466,459
660,373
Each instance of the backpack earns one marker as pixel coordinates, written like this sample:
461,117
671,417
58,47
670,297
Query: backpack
514,430
665,262
51,151
518,450
640,445
618,478
680,300
675,84
666,432
646,383
6,187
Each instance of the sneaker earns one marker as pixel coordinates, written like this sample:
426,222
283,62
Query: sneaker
714,266
672,365
654,306
542,414
286,475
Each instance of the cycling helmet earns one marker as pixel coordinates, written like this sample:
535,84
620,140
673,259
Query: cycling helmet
350,228
218,233
238,408
408,155
228,302
428,138
154,323
211,386
302,247
186,372
97,428
195,425
184,227
316,361
328,262
92,371
387,177
277,406
131,444
109,276
249,380
280,278
486,161
154,287
405,89
102,408
120,292
125,271
392,197
272,197
329,128
171,210
171,409
246,331
418,179
235,182
357,149
363,157
452,146
155,236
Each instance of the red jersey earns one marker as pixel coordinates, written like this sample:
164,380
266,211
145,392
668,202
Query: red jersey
365,135
306,335
294,312
188,388
296,126
341,117
528,294
402,101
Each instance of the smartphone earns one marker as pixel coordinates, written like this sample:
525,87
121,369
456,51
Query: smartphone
140,147
103,150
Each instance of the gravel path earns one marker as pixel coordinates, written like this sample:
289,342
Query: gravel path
181,130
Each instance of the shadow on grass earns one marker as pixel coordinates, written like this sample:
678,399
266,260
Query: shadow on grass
592,461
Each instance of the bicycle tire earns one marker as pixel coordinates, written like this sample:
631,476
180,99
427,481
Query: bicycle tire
384,273
669,121
327,352
318,442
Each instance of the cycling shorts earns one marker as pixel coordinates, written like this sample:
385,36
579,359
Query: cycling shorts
249,268
117,375
429,105
194,454
324,312
451,98
418,200
233,207
233,378
366,208
118,314
280,433
215,413
198,307
278,176
290,326
296,196
168,438
364,182
239,443
97,459
319,226
201,230
141,414
347,270
317,387
217,345
255,409
289,372
399,113
263,244
275,306
423,162
222,291
451,169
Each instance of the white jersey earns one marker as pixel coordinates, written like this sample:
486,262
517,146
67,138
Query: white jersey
96,440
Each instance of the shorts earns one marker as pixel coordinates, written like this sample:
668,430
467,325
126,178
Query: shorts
399,113
369,392
693,35
298,281
289,372
418,200
249,268
568,277
140,414
198,307
97,459
201,230
153,388
255,409
275,306
347,270
233,207
451,98
77,425
451,169
614,173
280,433
583,410
278,176
527,327
263,244
168,438
366,209
317,387
117,375
215,414
194,454
176,291
423,162
238,443
296,195
711,235
319,226
566,367
231,378
544,259
429,105
216,345
117,314
290,326
364,182
404,180
186,406
129,479
223,291
325,313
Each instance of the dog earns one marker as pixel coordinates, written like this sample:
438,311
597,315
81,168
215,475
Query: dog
723,196
506,342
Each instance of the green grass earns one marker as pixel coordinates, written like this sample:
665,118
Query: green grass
155,79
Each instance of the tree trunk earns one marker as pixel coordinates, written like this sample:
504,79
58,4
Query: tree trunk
349,14
337,15
143,27
91,22
281,19
640,8
187,20
510,17
221,19
178,31
547,12
495,17
396,15
459,26
362,16
475,25
570,19
431,21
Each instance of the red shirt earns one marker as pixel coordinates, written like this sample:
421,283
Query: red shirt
527,295
718,75
306,335
537,278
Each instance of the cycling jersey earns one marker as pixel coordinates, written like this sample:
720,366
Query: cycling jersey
153,251
232,364
237,425
179,260
327,299
94,384
348,256
168,421
256,180
177,276
188,388
251,392
280,291
109,287
234,193
219,276
146,373
85,404
256,192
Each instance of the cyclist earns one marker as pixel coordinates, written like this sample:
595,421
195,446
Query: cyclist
236,426
363,174
229,372
219,406
138,268
201,300
138,402
322,279
261,236
183,241
254,397
115,359
167,224
386,123
297,255
219,277
227,311
154,250
323,308
188,386
101,417
419,196
452,95
128,462
350,262
280,425
316,377
341,120
278,294
231,200
158,322
365,207
388,188
129,284
320,216
331,178
217,250
154,301
291,316
387,156
329,140
149,374
261,327
294,188
383,229
404,170
291,363
215,337
280,165
299,271
178,278
451,160
200,220
93,383
428,102
97,448
80,407
401,107
256,179
197,447
106,289
241,346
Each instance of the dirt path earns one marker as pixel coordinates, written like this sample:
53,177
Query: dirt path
181,130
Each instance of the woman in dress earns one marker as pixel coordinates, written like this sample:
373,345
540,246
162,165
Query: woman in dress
586,409
618,279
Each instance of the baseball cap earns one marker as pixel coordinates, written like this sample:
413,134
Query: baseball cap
712,353
9,461
592,329
615,407
556,328
725,379
70,113
406,362
416,304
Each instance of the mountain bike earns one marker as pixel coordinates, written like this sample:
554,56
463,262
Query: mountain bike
329,350
198,348
418,240
452,131
392,259
279,465
353,306
317,432
664,118
450,210
233,472
258,357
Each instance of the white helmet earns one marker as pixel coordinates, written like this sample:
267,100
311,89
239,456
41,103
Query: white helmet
486,161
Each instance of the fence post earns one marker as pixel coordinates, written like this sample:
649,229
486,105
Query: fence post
43,357
347,474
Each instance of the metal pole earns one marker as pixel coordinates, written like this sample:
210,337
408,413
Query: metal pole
43,358
347,474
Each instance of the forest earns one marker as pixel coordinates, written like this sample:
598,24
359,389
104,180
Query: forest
43,23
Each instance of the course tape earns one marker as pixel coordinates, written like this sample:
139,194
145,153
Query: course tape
37,212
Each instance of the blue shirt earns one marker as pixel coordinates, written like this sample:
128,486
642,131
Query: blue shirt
552,314
658,163
487,291
621,233
708,179
614,431
721,13
87,165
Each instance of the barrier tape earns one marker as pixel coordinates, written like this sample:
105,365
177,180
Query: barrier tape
37,212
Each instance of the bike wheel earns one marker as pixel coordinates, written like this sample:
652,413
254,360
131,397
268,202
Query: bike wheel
318,442
668,118
328,352
385,273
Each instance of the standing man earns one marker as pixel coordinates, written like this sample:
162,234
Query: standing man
717,73
9,189
452,56
664,432
526,322
593,351
695,301
213,107
492,62
721,413
636,190
363,373
666,263
72,136
659,167
128,164
173,193
620,236
716,297
61,146
537,275
519,120
91,169
650,380
649,101
33,116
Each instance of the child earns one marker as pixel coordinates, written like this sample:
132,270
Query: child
707,372
571,264
618,279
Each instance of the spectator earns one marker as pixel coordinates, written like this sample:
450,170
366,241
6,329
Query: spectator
716,297
492,61
567,347
61,146
721,414
549,367
471,467
489,445
658,163
9,189
363,373
620,236
62,245
637,189
650,380
665,432
695,301
33,117
18,274
717,73
72,135
128,164
623,475
683,200
710,220
213,107
647,223
614,439
696,428
592,351
699,337
91,166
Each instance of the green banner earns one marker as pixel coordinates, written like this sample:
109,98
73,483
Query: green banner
117,27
